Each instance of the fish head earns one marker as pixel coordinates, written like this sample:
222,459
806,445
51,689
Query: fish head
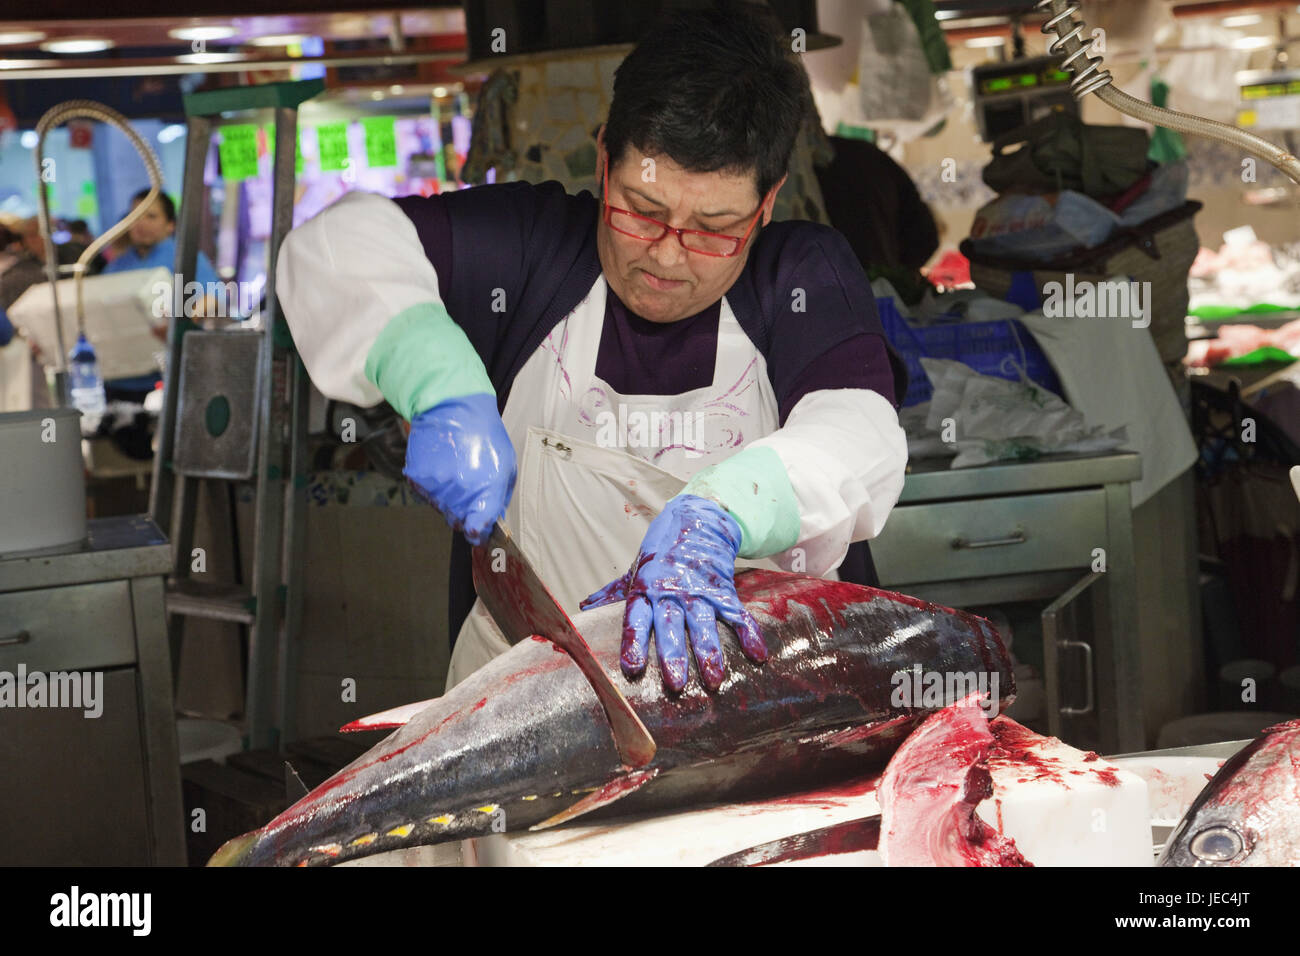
1215,837
1249,813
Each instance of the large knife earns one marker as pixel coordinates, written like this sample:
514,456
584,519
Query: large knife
851,836
522,606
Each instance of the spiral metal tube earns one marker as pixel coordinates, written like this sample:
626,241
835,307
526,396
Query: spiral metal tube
55,115
1089,77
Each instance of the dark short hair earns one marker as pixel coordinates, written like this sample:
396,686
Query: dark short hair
712,89
78,225
169,207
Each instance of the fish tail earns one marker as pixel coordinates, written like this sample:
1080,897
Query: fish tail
256,848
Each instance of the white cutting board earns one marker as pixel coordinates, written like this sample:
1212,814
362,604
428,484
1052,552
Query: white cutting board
1060,808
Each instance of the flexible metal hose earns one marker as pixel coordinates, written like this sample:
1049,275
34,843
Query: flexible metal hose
55,115
1089,77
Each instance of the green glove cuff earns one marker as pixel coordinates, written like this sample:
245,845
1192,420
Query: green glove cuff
753,486
423,358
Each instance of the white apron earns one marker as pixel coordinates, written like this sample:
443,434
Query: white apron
595,467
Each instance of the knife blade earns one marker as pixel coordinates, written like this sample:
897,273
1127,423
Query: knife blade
522,606
851,836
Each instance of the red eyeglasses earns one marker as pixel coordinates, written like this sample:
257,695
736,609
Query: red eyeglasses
693,240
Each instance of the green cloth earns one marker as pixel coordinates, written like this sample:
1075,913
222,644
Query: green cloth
1167,146
423,358
753,486
933,43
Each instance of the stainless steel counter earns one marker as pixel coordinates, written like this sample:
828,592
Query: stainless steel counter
1036,531
79,788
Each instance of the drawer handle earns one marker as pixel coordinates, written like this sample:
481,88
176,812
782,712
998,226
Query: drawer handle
22,637
1016,537
1087,677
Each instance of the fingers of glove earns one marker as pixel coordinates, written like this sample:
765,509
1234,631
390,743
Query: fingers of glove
615,590
703,627
480,520
747,632
637,619
670,640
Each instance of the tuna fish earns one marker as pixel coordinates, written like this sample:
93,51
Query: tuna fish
523,742
1249,814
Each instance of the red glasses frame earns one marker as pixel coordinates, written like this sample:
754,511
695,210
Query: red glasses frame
665,228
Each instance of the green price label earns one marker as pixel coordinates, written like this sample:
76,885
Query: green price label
381,141
297,147
332,140
238,152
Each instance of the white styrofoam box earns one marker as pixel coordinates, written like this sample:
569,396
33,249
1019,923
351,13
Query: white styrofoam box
1061,806
1172,782
122,308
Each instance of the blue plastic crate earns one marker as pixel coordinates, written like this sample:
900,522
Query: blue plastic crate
998,348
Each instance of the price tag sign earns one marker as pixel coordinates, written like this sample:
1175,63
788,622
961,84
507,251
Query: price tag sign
332,141
381,141
238,152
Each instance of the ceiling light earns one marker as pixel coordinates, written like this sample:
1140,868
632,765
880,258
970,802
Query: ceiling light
171,132
1242,20
947,14
201,58
21,36
397,89
439,92
77,45
29,139
1253,43
979,42
279,39
202,33
376,95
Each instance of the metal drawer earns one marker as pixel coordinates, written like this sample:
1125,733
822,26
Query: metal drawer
83,627
983,537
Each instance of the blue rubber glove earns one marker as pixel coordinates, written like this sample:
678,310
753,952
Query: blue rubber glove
460,458
683,579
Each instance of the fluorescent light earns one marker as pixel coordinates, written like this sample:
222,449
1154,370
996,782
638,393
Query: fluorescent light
201,58
947,14
980,42
171,132
29,139
1253,43
1242,20
21,36
202,33
279,39
439,92
77,45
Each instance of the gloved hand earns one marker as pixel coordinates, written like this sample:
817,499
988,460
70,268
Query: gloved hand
683,579
459,456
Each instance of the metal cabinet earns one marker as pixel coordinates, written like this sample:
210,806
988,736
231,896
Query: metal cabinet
79,788
1034,531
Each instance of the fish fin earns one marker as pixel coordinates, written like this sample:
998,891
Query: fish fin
294,788
386,719
616,789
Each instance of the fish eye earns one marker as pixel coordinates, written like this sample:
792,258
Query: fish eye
1216,844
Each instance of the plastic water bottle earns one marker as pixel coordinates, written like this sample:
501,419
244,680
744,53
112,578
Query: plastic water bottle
85,385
